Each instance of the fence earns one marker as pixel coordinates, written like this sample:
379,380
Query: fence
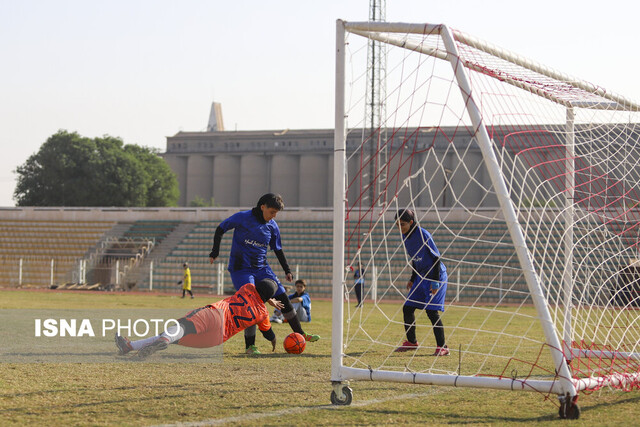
163,275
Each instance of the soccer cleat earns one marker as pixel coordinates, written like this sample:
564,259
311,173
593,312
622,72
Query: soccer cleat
441,351
160,344
311,337
252,349
406,346
275,319
123,344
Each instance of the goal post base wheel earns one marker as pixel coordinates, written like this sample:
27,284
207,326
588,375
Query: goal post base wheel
569,408
341,394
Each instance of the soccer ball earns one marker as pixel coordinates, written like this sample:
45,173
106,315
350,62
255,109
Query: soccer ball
294,343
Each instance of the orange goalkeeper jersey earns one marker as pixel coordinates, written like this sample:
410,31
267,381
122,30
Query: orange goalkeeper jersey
218,322
243,309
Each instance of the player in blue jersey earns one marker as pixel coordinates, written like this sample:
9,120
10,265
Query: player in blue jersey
428,284
255,232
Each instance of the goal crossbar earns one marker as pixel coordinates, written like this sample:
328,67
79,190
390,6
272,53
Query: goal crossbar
561,94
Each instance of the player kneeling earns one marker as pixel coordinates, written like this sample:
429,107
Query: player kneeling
214,324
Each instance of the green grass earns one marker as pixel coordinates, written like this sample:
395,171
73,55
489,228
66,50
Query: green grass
273,389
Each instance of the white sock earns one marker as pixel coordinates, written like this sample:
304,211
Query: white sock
173,333
138,344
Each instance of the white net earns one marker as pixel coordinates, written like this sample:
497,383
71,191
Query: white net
569,155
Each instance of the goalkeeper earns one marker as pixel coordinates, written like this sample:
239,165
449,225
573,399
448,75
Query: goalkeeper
213,324
428,284
255,231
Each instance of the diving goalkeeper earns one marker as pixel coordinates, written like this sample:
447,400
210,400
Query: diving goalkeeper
214,324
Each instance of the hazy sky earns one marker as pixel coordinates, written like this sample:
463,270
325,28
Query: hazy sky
144,70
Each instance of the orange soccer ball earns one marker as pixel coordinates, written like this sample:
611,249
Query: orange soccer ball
294,343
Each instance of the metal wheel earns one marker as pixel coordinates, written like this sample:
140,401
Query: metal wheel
346,400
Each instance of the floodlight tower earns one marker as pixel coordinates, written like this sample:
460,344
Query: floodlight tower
376,111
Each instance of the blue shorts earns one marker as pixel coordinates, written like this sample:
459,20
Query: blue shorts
242,277
420,295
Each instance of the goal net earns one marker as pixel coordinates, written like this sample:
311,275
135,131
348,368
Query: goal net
528,181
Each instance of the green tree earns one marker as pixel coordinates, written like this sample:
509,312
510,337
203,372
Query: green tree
160,181
71,170
199,202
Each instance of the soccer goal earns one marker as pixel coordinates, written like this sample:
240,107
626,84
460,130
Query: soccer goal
529,182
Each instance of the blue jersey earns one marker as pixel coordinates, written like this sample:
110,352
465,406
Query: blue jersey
251,240
423,253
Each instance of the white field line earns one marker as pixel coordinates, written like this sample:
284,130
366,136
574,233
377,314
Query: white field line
290,411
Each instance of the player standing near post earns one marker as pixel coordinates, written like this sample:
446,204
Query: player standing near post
428,283
255,231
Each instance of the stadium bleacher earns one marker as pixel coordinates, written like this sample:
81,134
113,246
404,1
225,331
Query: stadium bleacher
42,252
58,245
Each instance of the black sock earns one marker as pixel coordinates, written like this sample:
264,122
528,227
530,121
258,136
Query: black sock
250,336
409,323
294,322
438,327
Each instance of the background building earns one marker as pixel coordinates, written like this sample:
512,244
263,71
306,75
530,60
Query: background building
236,167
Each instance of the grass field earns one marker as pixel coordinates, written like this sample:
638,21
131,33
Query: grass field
272,389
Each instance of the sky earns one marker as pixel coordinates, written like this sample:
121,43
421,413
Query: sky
143,70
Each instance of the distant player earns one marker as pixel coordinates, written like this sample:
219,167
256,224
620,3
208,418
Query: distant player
213,324
256,231
358,284
428,284
186,280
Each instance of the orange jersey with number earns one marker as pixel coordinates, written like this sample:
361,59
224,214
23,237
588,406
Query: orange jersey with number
218,322
243,309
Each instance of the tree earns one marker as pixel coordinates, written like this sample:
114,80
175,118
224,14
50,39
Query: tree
71,170
161,182
199,202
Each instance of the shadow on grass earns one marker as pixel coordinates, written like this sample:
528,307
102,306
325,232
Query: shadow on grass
511,417
114,389
599,405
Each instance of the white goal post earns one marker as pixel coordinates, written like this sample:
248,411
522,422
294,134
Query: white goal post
529,182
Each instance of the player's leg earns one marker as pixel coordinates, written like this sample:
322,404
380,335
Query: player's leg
250,340
171,335
438,332
358,289
144,347
265,288
408,312
288,312
239,279
147,346
433,308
